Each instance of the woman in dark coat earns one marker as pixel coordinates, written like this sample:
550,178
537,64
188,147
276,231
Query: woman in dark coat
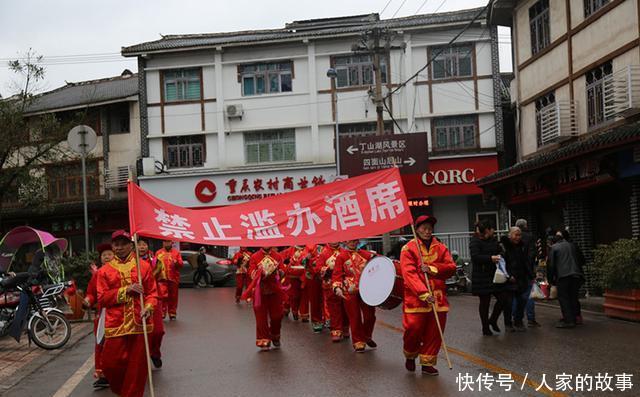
520,270
485,254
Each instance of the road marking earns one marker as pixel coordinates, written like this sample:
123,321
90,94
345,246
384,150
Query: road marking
491,367
75,379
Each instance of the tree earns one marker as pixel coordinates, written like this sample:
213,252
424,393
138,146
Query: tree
27,142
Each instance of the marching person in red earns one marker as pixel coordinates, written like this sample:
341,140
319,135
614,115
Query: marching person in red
172,261
315,291
346,277
90,300
421,336
241,260
265,270
119,288
160,275
325,263
295,259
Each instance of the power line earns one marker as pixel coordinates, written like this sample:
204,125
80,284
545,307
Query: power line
399,8
420,8
440,6
385,7
416,74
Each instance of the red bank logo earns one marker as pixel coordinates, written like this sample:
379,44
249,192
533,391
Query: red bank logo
206,191
449,177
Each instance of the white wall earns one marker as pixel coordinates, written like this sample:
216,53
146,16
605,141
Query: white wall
451,213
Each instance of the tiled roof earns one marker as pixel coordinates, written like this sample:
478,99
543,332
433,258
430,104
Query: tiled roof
299,30
85,93
607,139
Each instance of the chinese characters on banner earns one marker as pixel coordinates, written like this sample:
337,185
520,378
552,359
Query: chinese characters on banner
359,207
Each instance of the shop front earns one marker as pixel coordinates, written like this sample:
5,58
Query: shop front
450,192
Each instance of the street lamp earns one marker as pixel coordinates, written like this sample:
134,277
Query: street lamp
333,74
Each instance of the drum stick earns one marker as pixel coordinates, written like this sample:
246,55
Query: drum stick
433,304
144,321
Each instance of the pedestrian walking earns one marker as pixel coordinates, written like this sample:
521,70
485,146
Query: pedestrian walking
421,335
565,264
516,256
201,278
485,255
339,319
534,250
241,260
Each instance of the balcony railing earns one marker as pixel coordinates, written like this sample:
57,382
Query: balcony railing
117,177
558,120
622,92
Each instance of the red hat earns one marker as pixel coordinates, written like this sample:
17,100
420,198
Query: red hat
103,247
123,234
426,219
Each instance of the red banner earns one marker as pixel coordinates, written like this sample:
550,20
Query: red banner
359,207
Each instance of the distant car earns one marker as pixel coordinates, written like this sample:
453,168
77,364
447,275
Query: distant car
220,271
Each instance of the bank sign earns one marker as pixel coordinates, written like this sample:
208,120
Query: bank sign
214,190
450,177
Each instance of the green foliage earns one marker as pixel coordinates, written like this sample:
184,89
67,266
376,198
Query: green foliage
77,268
618,264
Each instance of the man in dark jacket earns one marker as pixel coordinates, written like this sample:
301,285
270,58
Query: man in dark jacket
529,243
516,255
565,271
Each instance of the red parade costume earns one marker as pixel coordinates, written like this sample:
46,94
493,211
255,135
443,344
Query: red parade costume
241,260
297,257
314,289
346,276
265,269
92,297
160,275
421,336
325,264
172,263
123,354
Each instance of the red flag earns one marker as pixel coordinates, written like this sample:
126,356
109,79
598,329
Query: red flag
359,207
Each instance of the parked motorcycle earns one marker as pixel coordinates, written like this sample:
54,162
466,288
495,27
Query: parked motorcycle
459,282
34,309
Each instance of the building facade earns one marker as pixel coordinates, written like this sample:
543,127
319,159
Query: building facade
575,93
110,107
228,117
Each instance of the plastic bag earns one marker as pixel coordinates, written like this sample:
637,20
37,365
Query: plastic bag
500,276
536,292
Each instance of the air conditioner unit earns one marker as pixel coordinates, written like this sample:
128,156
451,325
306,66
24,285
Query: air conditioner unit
148,166
234,111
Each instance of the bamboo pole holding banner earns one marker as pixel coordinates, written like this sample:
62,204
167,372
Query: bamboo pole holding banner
433,304
144,321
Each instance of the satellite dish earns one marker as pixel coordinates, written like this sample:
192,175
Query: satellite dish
82,139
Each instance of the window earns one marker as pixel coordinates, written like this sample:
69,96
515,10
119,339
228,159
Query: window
118,118
595,94
452,62
185,151
270,146
363,129
65,182
266,78
358,70
541,103
591,6
453,133
182,85
539,23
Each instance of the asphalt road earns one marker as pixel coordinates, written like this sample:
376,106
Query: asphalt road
210,351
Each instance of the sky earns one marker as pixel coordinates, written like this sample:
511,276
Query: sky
81,39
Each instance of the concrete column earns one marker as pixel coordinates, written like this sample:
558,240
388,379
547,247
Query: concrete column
409,91
220,105
313,106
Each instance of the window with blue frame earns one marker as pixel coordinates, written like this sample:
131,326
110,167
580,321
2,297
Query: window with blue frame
266,78
181,85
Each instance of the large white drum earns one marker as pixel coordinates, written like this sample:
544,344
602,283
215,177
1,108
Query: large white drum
380,284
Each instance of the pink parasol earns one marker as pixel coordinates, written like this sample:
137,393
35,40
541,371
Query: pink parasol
21,235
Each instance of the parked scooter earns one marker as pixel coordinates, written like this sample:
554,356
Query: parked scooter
35,309
459,282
